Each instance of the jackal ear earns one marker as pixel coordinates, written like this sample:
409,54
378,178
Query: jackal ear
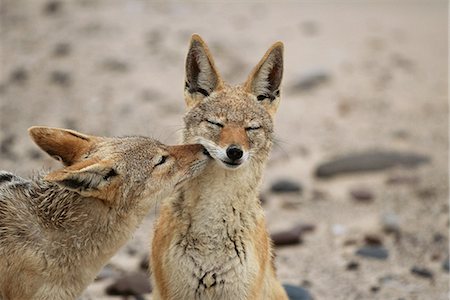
265,79
88,178
202,77
62,144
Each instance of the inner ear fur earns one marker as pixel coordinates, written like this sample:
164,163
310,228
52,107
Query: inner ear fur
202,77
64,144
88,178
265,79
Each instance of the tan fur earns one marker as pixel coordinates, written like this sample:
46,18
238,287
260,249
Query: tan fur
58,230
210,241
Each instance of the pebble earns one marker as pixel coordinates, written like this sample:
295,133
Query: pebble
310,80
286,186
376,252
19,75
107,272
292,236
373,240
371,160
131,284
390,222
421,272
60,77
52,7
361,194
61,49
352,266
446,264
297,292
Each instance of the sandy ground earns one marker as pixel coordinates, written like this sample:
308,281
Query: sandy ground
117,68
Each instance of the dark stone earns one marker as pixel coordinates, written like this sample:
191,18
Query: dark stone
115,65
61,78
19,75
286,186
145,263
352,266
61,49
373,240
34,154
402,180
446,264
310,80
374,289
107,272
297,292
292,236
376,252
372,160
390,223
362,194
285,238
421,272
52,7
130,285
6,146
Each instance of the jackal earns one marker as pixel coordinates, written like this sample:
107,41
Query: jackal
58,230
210,240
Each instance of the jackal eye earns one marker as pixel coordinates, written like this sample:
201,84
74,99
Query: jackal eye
161,160
215,123
250,128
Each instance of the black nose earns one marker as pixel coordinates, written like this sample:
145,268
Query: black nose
234,152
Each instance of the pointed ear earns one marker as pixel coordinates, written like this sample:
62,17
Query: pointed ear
202,77
91,178
62,144
265,79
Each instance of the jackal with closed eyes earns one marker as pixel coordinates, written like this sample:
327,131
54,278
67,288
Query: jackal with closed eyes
210,241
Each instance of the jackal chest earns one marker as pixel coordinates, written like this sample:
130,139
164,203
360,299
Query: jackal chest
221,267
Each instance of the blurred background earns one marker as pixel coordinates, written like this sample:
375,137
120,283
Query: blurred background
356,190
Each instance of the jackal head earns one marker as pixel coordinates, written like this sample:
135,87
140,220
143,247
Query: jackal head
234,123
120,171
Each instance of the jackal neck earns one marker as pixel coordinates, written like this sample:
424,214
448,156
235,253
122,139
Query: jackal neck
220,200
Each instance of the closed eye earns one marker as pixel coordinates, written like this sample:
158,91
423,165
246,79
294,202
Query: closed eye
215,123
252,128
161,161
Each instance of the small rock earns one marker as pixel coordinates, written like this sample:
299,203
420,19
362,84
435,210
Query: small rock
34,154
145,263
309,28
362,194
115,65
106,272
52,7
426,193
402,180
390,223
372,160
130,285
61,50
374,289
60,77
309,81
19,75
285,238
421,272
376,252
297,292
292,236
7,144
352,266
446,265
373,240
286,186
338,229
